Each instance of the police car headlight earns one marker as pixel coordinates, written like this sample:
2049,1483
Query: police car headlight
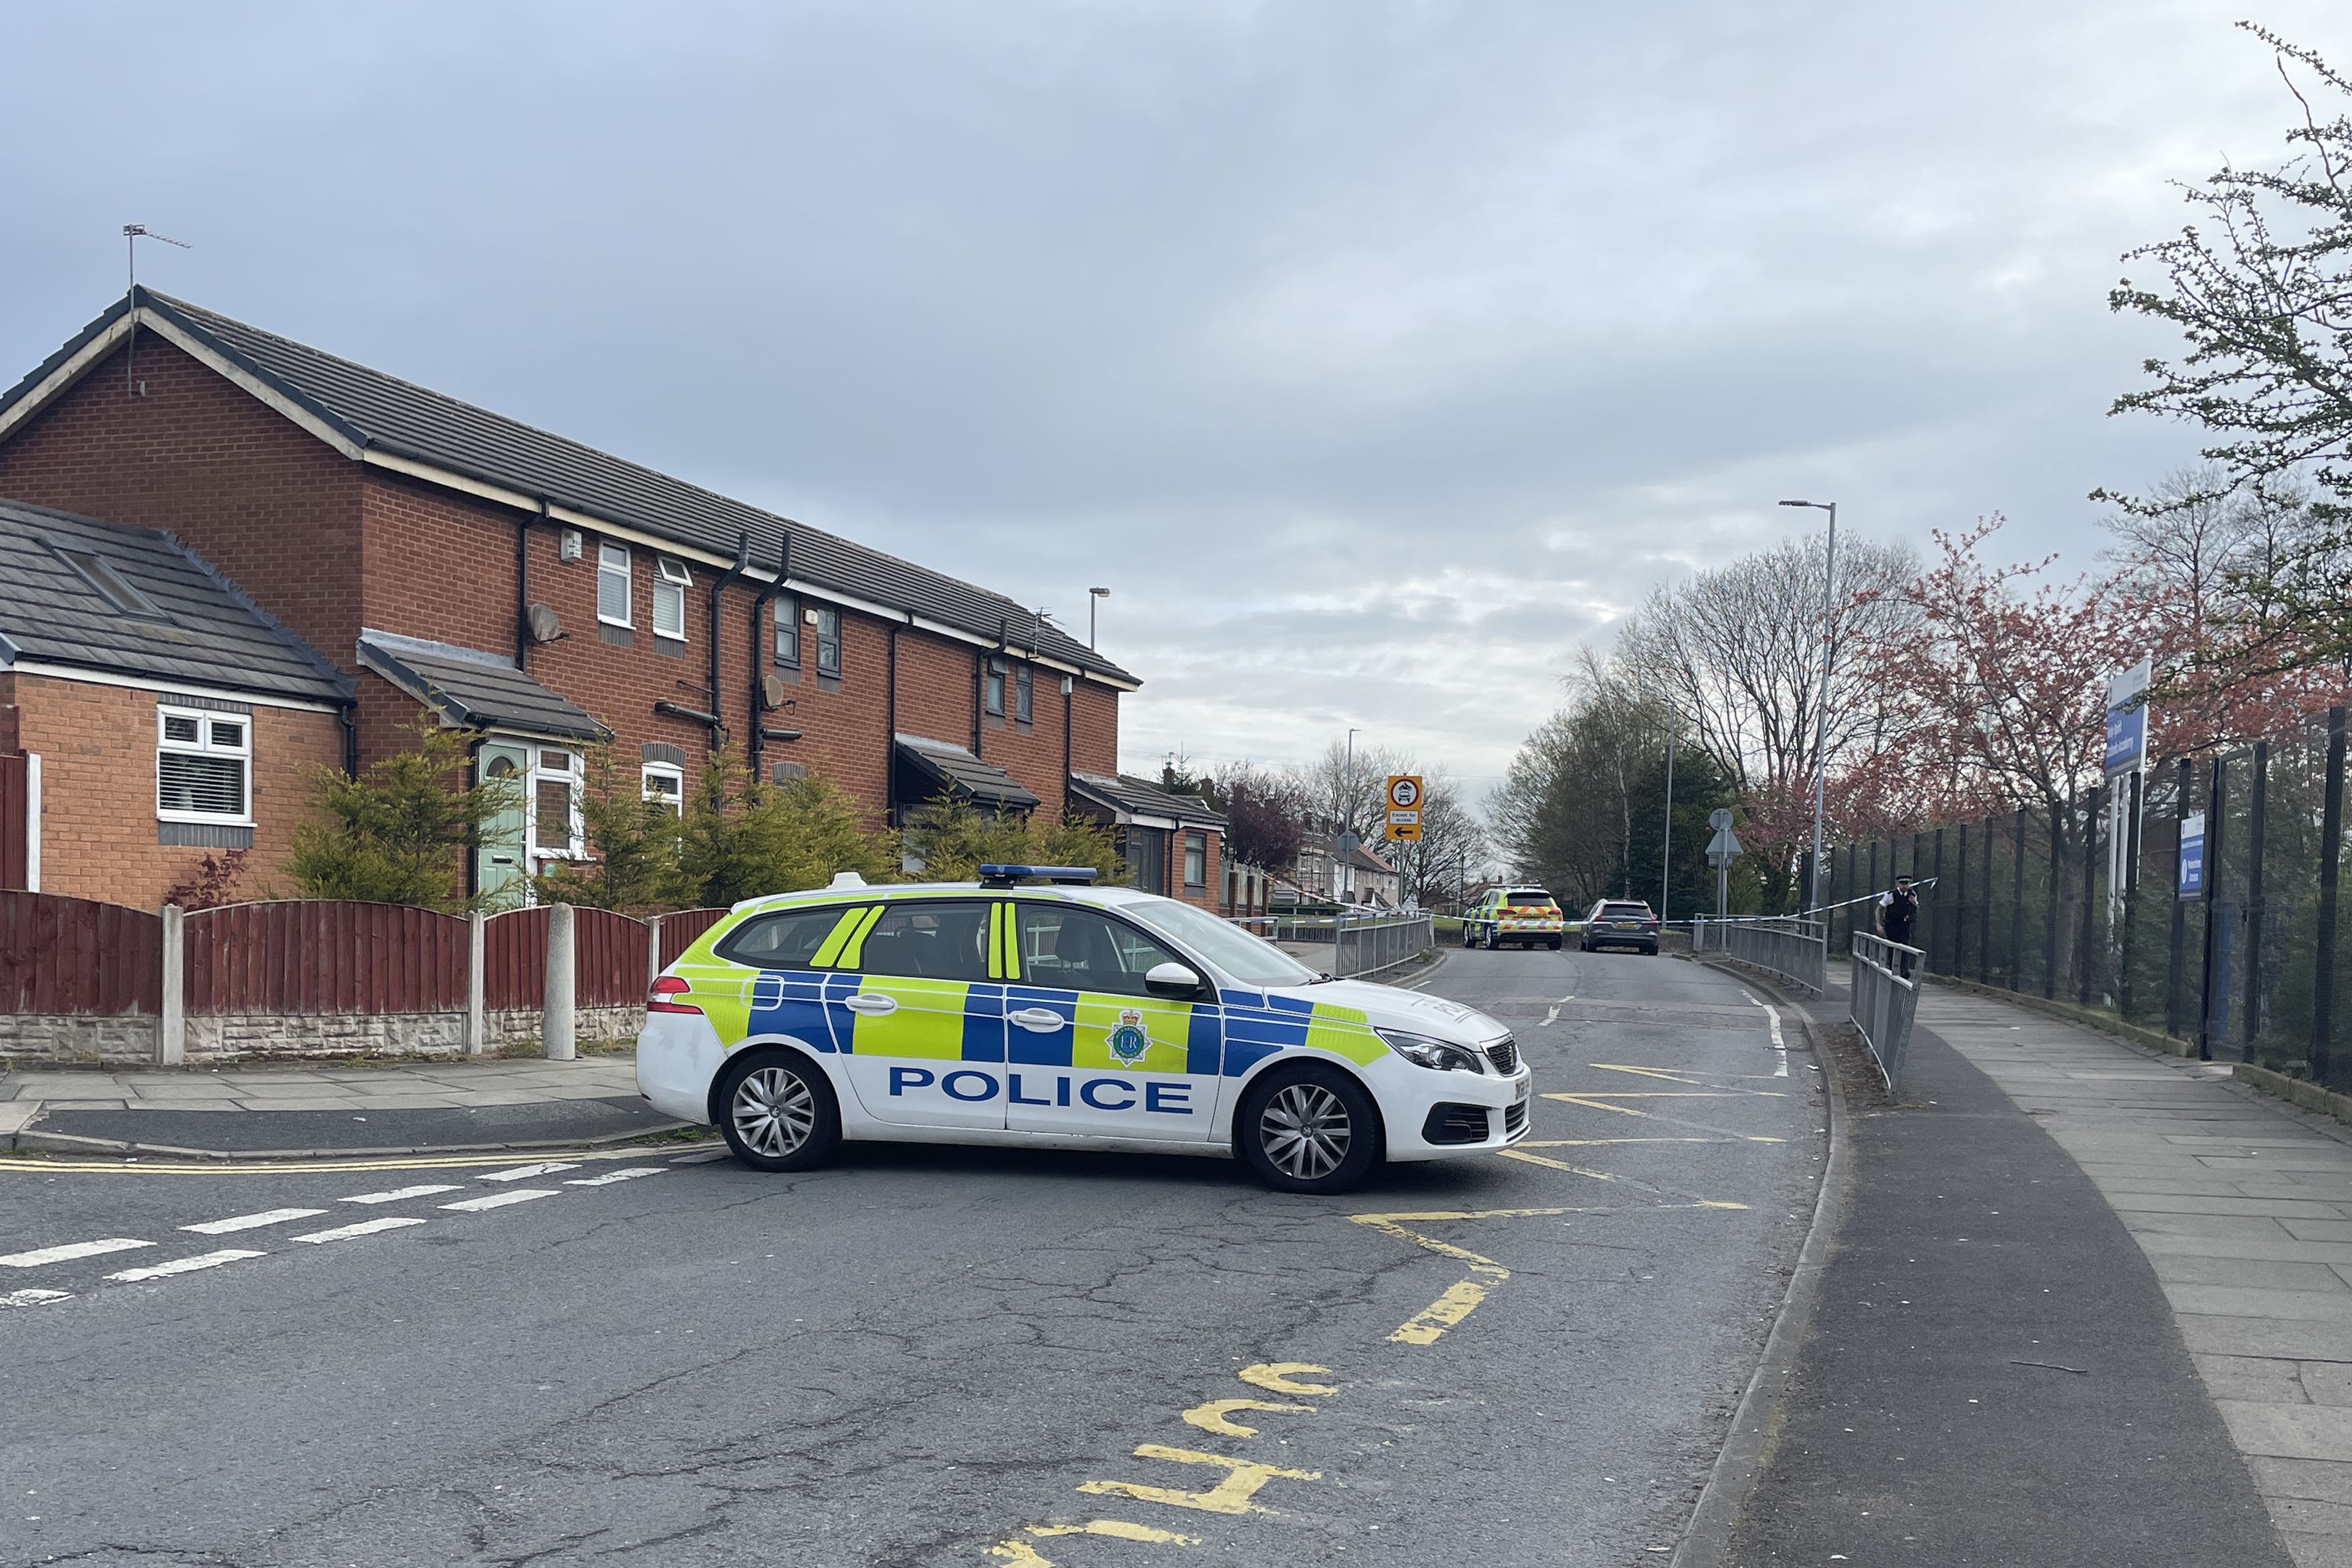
1438,1055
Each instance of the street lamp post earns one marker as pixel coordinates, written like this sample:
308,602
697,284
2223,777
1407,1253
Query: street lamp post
1094,596
1822,723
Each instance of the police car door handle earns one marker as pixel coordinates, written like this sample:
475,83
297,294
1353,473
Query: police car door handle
1038,1020
866,1002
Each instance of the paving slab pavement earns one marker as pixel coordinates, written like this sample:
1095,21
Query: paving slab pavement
2251,1238
329,1109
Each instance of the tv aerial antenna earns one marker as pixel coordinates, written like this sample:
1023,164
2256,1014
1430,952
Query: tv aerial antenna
131,234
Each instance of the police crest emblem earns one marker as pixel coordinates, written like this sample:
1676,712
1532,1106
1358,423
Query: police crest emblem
1128,1041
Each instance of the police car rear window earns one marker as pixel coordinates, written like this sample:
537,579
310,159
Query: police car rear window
1525,895
787,939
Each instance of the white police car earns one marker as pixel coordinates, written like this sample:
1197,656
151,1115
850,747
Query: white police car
1031,1009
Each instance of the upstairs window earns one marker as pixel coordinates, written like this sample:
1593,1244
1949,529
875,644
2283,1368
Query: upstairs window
995,688
788,633
671,579
828,642
1196,859
1024,694
204,767
612,584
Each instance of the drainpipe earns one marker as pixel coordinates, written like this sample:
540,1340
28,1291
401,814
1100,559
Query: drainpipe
348,717
522,586
766,596
718,594
1068,684
891,727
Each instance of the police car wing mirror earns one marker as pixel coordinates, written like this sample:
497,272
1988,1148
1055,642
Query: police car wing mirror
1173,982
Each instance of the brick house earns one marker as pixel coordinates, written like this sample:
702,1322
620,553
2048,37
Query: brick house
140,697
543,595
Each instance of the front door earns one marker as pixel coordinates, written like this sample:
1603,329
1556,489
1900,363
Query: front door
1089,1050
498,869
927,1025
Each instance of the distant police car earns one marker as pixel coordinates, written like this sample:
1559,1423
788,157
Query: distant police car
1060,1016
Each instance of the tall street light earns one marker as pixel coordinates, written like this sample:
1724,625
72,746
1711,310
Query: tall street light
1094,596
1822,725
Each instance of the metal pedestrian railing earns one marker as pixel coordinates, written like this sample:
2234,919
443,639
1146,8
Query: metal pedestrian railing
1886,1000
1361,944
1795,950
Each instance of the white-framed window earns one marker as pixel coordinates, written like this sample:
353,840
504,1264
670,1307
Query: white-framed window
665,782
612,584
204,767
1196,859
671,579
556,830
828,640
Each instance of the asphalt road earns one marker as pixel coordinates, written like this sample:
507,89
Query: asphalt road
938,1355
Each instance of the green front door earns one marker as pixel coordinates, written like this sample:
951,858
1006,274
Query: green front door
498,869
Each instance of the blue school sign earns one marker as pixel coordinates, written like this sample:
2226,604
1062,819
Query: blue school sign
2192,858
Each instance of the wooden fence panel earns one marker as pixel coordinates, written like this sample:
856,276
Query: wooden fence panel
61,954
680,930
324,956
514,960
608,958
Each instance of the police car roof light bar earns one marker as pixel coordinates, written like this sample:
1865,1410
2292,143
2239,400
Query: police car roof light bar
1006,875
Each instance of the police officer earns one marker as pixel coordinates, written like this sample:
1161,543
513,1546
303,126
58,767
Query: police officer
1896,912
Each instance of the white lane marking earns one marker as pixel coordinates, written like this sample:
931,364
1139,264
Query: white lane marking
190,1265
364,1228
400,1193
500,1199
251,1221
1553,1015
702,1159
1772,1017
609,1178
520,1172
69,1251
32,1297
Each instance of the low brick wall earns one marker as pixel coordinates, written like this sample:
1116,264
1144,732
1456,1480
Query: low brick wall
76,1038
232,1036
509,1028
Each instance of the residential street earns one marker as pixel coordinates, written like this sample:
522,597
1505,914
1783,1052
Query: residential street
926,1357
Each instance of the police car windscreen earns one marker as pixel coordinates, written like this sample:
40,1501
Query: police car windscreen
1229,947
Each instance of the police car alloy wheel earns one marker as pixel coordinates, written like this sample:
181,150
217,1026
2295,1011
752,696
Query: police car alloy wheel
777,1115
1313,1130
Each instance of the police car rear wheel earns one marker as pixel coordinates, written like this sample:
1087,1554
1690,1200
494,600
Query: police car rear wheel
1312,1131
779,1115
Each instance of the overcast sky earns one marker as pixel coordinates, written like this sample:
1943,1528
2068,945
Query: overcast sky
1373,355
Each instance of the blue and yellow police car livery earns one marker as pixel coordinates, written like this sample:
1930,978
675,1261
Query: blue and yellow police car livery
1029,1008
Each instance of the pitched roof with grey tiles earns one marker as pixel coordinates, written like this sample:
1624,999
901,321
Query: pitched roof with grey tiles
474,690
372,410
958,773
188,625
1142,797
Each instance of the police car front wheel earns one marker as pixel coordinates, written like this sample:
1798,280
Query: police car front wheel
778,1115
1314,1130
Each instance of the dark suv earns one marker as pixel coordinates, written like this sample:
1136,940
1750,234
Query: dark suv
1616,925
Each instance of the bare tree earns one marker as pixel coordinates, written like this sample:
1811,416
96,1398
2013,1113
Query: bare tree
1737,651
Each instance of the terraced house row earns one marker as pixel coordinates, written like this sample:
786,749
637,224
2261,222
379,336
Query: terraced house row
224,554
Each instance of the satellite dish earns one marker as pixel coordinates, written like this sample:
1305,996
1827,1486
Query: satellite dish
772,688
544,626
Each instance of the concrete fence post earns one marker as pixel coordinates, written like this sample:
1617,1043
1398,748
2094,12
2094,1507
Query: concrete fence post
478,1019
652,951
555,1029
172,1024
